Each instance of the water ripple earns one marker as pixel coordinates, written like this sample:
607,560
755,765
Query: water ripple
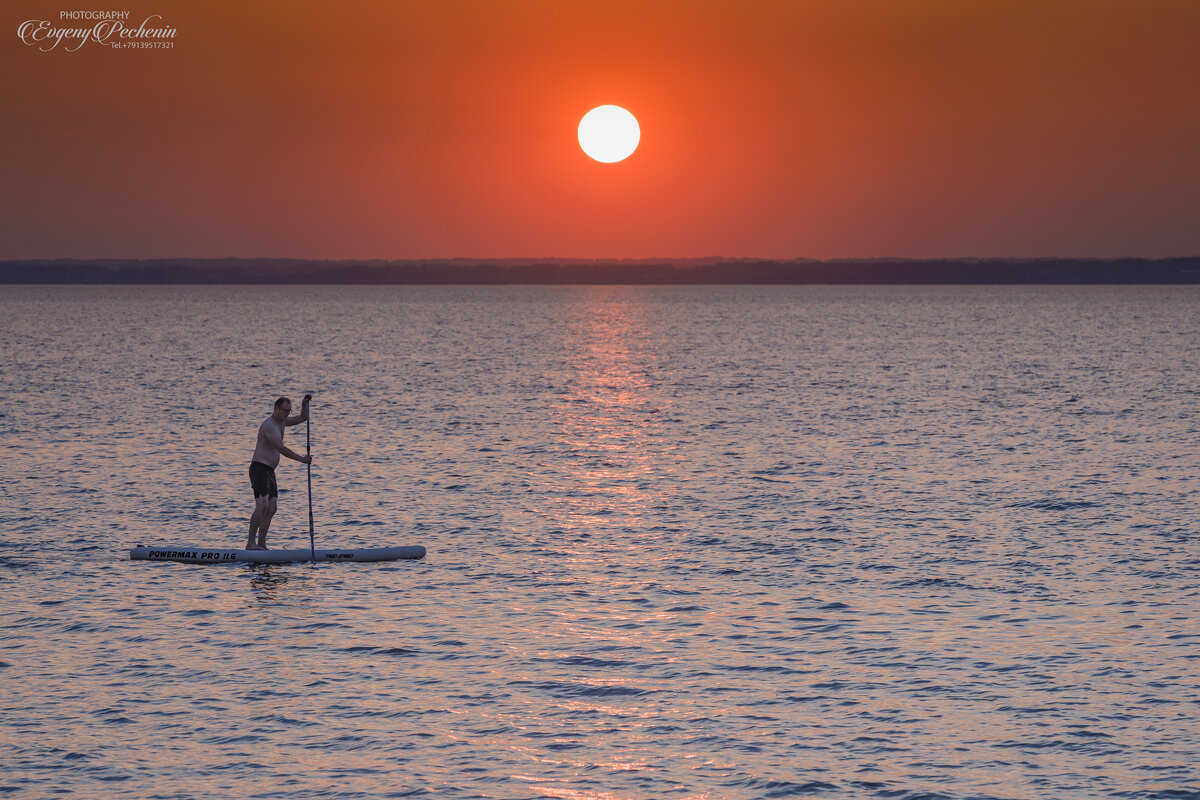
707,542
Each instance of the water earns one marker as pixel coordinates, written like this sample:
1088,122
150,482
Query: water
736,542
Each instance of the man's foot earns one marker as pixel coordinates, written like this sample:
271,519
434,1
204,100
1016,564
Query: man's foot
255,547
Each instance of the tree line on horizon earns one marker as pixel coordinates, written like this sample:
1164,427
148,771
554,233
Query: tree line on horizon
539,271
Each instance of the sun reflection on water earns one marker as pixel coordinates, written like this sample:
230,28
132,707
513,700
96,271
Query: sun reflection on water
608,412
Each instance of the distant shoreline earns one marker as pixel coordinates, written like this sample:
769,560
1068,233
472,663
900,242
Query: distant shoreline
681,272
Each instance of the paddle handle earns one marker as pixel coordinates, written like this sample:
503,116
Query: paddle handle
312,543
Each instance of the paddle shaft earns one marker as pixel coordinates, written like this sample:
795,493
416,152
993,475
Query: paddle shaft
312,544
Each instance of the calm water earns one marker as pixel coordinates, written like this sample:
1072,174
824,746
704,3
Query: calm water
683,543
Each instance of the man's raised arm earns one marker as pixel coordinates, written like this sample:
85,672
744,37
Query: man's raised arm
296,419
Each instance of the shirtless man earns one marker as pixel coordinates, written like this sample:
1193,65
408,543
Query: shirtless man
262,466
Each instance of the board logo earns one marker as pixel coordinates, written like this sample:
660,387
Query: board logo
193,555
172,554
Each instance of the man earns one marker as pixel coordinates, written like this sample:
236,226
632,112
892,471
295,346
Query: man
262,466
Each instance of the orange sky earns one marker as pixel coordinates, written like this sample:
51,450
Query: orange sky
769,128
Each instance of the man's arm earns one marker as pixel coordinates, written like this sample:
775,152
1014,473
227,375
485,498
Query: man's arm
278,444
296,419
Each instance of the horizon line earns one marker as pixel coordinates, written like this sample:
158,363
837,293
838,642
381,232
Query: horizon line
608,258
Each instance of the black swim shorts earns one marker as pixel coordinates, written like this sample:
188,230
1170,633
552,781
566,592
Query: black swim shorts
262,480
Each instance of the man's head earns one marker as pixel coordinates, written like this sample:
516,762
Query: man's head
283,407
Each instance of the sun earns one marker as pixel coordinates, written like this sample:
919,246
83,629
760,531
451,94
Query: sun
609,133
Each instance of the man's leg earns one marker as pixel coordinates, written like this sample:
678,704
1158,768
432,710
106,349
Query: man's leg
256,521
264,523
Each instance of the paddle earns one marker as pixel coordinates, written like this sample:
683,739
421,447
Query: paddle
312,544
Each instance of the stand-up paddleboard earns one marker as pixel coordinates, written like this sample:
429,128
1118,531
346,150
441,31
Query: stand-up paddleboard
207,555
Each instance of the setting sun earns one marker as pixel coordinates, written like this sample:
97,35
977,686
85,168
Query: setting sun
609,133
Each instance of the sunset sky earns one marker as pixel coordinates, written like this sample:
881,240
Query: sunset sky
789,128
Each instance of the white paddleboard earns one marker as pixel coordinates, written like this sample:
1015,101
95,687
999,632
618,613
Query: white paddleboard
209,555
